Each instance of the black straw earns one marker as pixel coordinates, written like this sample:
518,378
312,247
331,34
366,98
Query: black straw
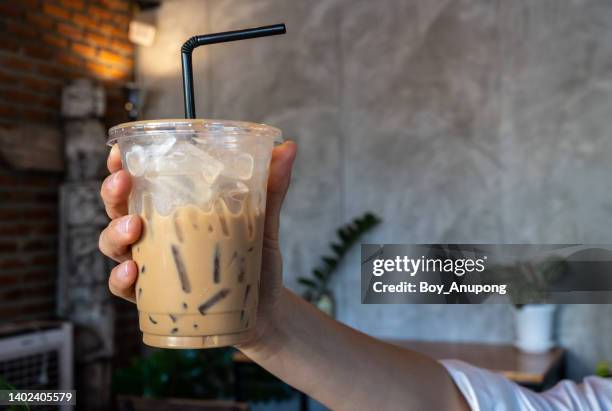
202,40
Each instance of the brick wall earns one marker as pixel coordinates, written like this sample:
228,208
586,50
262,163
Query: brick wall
44,44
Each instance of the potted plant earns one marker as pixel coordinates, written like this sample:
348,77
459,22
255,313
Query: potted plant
534,328
533,323
318,290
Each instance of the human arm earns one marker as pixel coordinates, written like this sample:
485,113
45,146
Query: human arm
333,363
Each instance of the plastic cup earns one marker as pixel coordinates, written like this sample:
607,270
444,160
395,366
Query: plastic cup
200,188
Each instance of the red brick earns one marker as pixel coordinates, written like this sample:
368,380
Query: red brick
112,58
117,5
10,9
16,63
38,275
39,116
70,61
29,4
28,293
84,20
109,29
40,51
29,180
44,259
6,78
18,196
84,51
42,22
11,294
8,44
36,245
22,97
44,228
100,13
7,110
74,4
70,31
54,72
40,310
48,197
11,279
9,214
107,72
55,11
51,103
121,20
12,263
39,213
42,85
21,30
55,40
125,47
13,229
98,40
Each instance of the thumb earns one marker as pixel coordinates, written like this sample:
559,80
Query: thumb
278,183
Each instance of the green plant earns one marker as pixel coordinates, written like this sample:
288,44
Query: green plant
603,369
201,374
4,385
348,235
528,281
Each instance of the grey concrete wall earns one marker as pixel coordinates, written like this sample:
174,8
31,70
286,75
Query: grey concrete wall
457,121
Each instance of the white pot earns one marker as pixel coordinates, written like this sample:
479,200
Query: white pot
534,328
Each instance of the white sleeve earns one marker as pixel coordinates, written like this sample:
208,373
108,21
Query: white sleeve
486,390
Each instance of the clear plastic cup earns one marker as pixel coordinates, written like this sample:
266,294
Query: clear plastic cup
200,188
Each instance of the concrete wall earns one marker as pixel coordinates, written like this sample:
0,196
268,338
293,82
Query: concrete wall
457,121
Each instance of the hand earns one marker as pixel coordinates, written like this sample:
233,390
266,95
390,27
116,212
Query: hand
124,230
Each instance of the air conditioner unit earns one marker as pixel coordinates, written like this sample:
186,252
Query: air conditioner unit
37,356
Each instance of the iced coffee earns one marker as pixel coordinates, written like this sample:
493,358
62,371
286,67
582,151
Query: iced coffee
200,188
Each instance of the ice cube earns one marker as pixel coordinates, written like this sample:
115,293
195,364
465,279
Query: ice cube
234,195
170,192
187,159
165,166
161,149
136,196
202,194
210,167
157,157
163,205
136,161
244,166
238,166
212,170
239,188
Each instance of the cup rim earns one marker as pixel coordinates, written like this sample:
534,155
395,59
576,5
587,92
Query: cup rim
202,127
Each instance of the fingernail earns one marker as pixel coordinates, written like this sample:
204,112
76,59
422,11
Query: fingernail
124,224
122,272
